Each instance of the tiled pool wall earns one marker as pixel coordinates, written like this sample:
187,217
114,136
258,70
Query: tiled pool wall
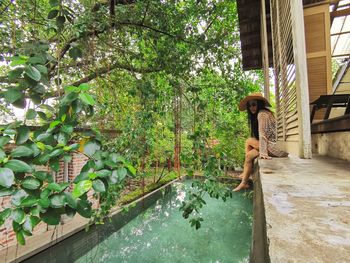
82,241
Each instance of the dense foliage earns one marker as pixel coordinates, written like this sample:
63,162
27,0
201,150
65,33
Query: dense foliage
165,74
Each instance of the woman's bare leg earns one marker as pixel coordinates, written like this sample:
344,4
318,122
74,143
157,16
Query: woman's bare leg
250,144
248,169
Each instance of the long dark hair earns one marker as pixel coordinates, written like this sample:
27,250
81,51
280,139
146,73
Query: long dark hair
253,118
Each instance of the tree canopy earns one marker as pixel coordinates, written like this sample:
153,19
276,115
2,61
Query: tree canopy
165,74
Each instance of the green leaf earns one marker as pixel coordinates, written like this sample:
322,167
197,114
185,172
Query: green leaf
57,200
41,175
54,164
44,202
29,201
42,69
114,177
9,131
62,138
70,212
32,72
2,154
71,201
67,158
52,14
54,187
57,187
68,89
84,208
43,159
103,173
21,103
18,215
67,129
84,87
122,173
43,137
34,220
18,197
37,60
39,88
81,177
56,152
4,214
18,166
4,140
31,183
20,238
16,61
99,164
45,193
128,166
91,147
35,149
92,176
22,151
98,186
6,192
87,99
60,21
81,188
42,115
74,146
7,177
54,124
12,95
67,99
31,114
35,211
22,135
15,73
27,225
75,53
51,217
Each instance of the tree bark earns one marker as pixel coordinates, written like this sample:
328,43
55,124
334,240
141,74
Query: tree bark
177,130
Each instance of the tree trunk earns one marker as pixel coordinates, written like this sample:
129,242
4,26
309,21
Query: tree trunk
177,130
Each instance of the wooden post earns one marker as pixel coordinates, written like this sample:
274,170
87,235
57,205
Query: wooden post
299,51
265,51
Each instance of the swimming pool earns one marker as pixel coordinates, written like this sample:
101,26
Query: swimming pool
160,234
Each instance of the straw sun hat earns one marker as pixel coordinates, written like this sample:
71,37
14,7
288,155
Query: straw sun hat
254,96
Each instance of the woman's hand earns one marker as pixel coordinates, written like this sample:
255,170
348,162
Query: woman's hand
266,157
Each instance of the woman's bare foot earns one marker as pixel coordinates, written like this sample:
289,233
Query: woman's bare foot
242,185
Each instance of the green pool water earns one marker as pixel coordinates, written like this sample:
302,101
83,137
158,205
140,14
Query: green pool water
160,234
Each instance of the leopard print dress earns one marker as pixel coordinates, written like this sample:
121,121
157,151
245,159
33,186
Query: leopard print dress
267,135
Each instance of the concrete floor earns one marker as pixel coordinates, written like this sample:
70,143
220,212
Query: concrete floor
307,207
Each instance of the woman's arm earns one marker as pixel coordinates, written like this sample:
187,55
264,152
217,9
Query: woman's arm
262,121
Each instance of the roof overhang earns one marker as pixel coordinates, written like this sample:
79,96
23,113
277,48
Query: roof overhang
249,24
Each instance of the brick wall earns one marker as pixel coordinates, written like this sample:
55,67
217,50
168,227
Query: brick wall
7,235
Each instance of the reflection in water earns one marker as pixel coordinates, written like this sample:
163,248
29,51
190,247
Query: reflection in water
160,234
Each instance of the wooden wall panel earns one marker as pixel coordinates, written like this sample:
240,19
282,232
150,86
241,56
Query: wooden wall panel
318,52
315,33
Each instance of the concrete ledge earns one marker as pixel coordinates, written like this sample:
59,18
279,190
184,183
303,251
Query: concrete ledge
259,248
307,209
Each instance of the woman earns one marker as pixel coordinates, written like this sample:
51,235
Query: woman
263,134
